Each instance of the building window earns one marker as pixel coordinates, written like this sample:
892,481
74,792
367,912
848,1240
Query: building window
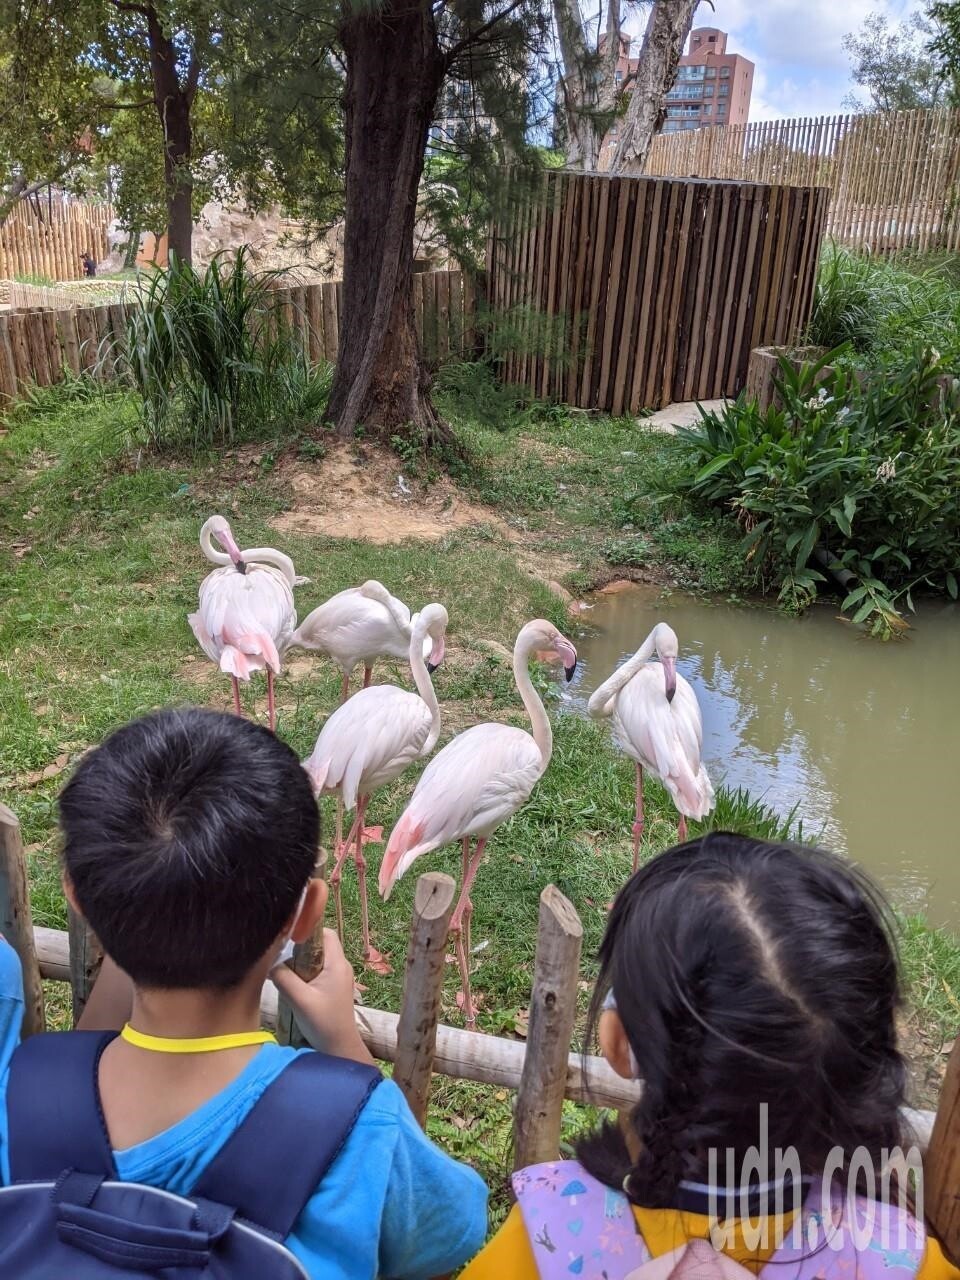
724,91
707,108
711,73
724,73
619,77
711,39
708,90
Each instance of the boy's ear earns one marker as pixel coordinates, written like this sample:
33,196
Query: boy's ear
314,905
69,893
614,1044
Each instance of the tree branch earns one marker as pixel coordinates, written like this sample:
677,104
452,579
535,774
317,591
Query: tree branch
127,6
476,36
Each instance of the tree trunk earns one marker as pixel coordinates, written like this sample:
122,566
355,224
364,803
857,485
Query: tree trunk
663,42
589,86
173,102
394,72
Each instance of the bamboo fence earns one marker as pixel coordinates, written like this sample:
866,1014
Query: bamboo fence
621,294
894,177
543,1070
45,237
41,347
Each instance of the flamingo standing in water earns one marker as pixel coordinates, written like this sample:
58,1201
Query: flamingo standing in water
477,781
246,615
656,721
369,741
357,626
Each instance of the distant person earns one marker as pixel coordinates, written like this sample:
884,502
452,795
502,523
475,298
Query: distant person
753,989
189,839
89,266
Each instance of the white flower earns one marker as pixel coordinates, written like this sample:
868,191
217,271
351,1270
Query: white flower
934,355
843,414
822,395
886,470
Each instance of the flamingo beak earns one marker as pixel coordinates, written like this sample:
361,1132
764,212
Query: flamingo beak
670,676
568,656
226,540
436,655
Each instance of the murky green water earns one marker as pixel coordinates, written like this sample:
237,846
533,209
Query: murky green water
861,736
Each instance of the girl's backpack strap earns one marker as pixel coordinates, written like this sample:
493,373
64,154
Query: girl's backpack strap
53,1107
576,1225
276,1159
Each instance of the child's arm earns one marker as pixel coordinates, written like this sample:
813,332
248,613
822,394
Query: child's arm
324,1007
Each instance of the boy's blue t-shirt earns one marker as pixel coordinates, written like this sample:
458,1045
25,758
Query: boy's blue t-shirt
392,1204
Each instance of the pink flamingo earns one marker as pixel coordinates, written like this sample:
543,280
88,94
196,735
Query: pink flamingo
356,626
477,781
656,721
246,615
369,741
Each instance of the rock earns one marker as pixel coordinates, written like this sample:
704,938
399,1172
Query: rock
619,584
559,591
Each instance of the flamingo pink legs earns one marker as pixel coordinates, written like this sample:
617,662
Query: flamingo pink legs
682,829
460,925
638,819
354,842
271,702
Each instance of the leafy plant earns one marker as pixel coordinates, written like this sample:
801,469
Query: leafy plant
212,360
852,479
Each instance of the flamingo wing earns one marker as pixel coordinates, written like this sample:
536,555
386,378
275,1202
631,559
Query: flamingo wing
369,741
352,628
244,619
475,783
665,737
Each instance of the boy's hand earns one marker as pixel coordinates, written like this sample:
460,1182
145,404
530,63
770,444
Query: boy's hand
324,1007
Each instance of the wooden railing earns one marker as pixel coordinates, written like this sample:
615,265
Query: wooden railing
46,237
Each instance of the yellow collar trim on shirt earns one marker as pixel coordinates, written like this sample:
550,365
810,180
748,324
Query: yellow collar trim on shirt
202,1044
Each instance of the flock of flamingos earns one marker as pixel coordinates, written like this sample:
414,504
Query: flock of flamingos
247,620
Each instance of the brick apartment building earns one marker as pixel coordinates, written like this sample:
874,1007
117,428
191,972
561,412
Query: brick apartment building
712,86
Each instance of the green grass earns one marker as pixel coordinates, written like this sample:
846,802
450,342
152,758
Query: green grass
99,565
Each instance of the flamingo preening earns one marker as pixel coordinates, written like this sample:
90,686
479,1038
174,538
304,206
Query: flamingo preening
246,615
477,781
369,741
357,626
656,722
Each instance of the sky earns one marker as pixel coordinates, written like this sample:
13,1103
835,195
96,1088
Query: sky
801,67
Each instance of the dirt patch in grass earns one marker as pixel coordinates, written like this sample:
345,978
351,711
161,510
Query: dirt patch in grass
364,494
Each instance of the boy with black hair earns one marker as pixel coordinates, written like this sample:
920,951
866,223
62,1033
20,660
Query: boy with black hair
189,842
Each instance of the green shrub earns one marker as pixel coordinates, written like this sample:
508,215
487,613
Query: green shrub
884,308
211,360
857,480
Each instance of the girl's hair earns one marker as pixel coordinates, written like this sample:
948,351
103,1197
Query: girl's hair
748,973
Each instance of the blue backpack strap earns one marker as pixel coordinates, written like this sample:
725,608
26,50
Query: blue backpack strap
276,1159
53,1107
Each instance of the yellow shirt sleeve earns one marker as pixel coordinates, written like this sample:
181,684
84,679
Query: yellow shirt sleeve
508,1255
934,1265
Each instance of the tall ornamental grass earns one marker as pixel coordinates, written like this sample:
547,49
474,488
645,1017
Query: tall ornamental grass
212,360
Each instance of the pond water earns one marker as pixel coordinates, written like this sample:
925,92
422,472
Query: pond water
860,736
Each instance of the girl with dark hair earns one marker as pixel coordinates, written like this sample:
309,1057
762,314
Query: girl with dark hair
753,989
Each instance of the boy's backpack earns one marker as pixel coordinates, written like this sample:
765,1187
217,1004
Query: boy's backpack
66,1217
577,1227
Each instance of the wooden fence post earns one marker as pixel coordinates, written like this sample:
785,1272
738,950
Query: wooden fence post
86,957
942,1163
553,1009
422,982
306,963
16,924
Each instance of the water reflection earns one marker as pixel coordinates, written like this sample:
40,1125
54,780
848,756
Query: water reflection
860,735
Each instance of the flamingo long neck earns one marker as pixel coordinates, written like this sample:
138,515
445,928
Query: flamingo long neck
210,551
374,590
269,555
602,700
421,678
533,705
